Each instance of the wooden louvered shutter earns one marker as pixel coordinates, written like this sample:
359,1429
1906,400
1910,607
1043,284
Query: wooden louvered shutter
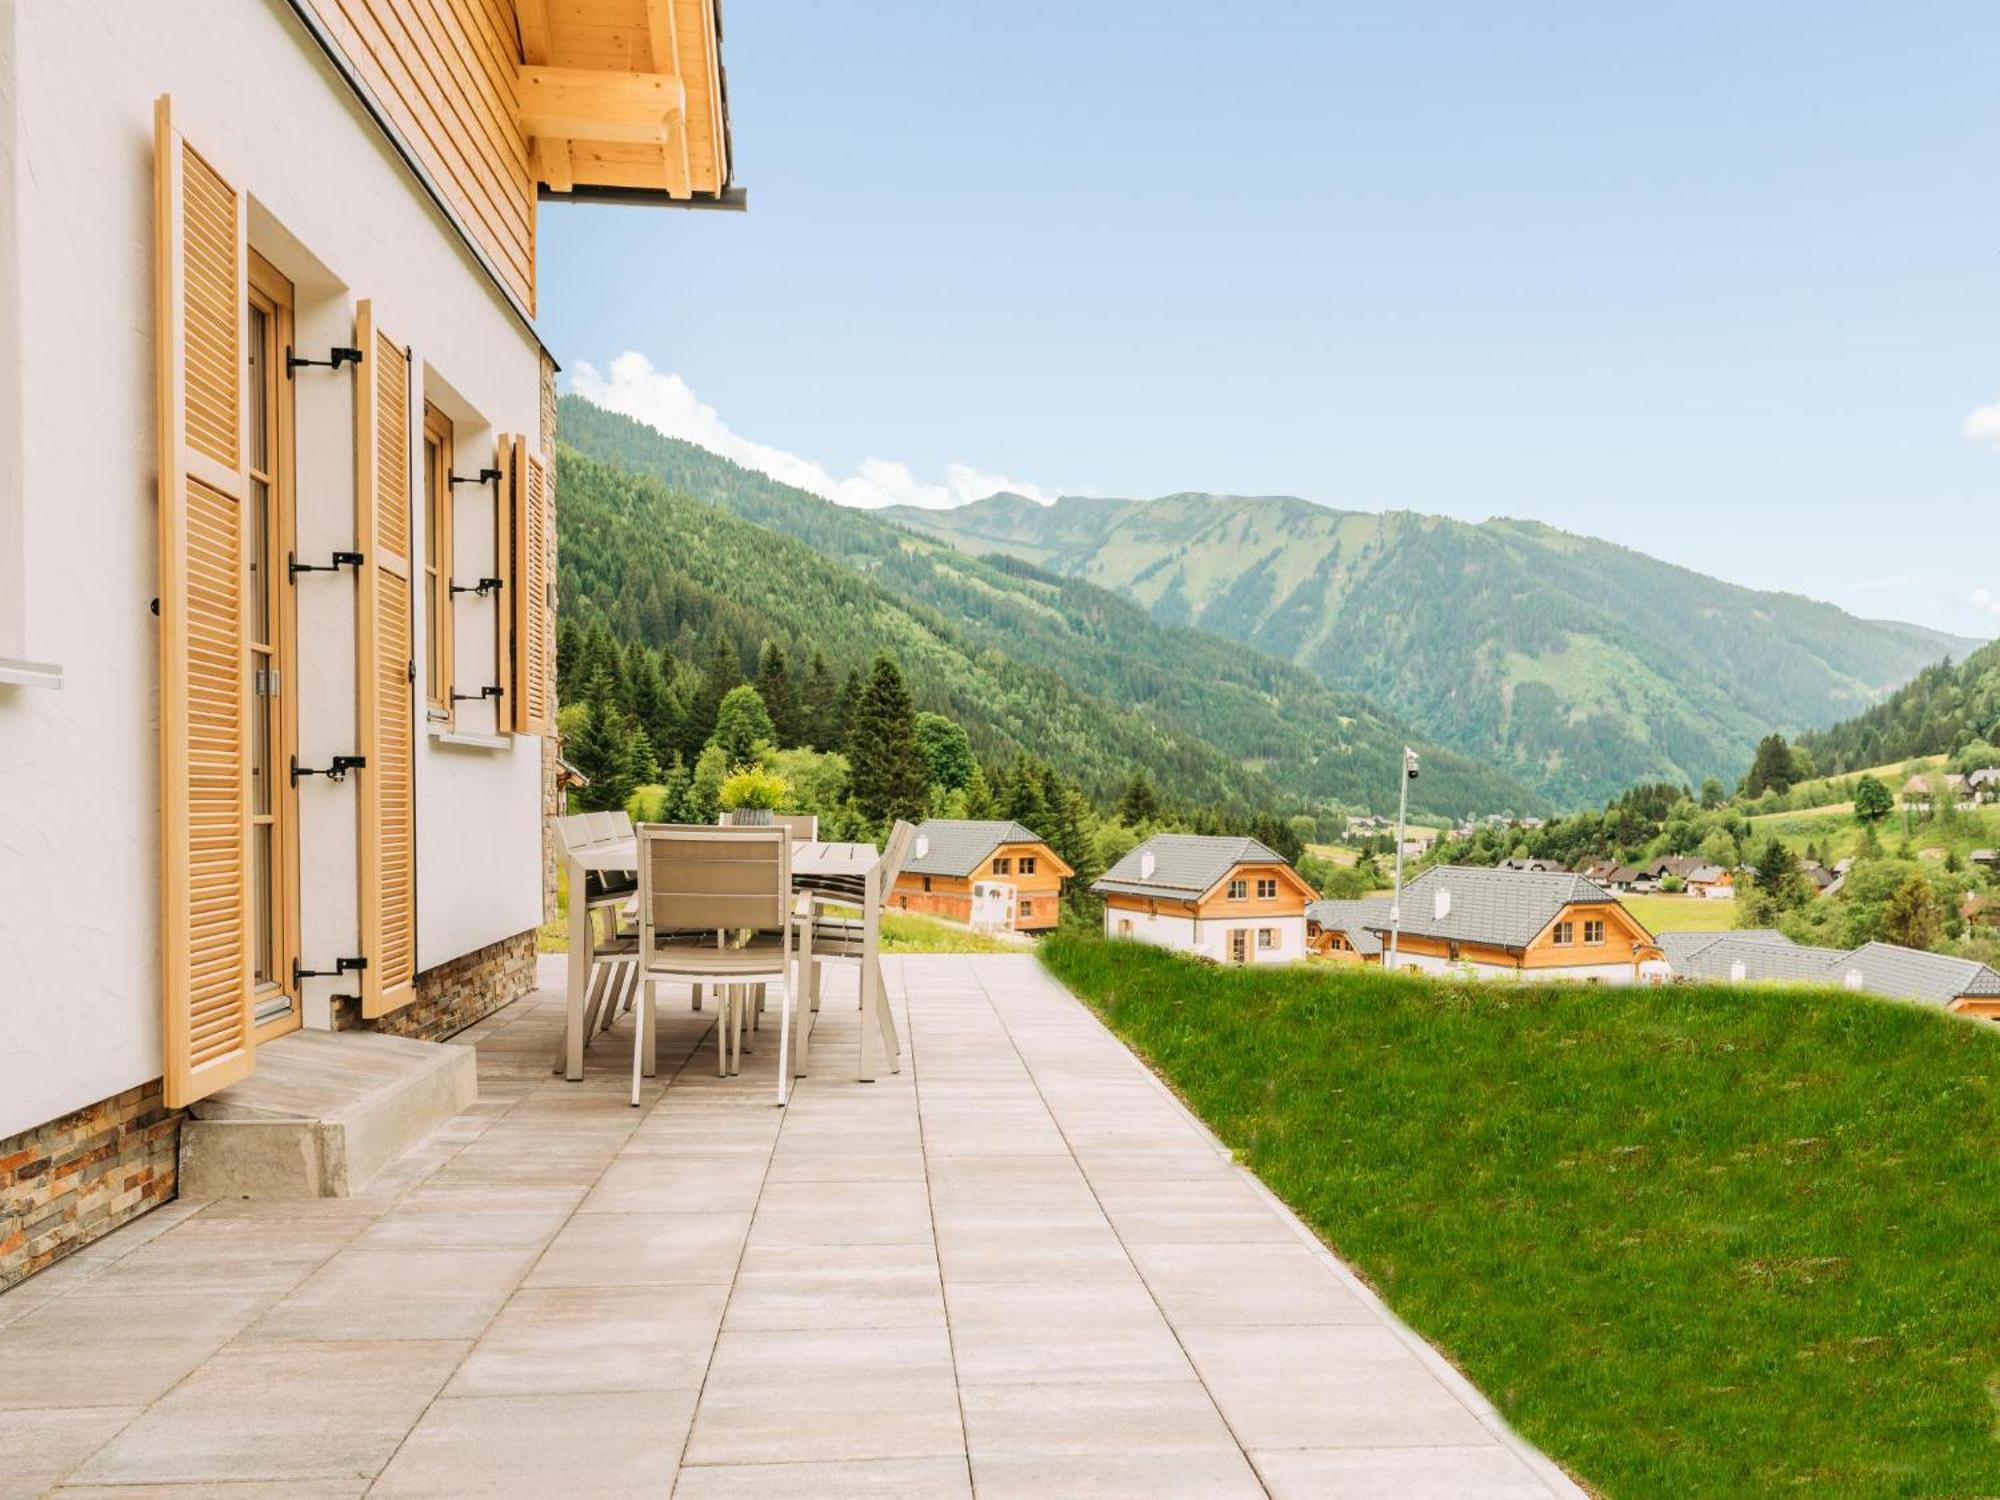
386,679
201,247
528,530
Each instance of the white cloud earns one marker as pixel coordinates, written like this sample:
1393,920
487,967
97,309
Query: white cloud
1986,602
1982,425
666,402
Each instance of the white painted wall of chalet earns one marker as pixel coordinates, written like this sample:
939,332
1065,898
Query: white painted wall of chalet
79,975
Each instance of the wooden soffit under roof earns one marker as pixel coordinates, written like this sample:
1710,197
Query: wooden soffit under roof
626,100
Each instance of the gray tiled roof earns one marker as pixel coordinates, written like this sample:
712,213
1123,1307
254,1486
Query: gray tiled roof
1184,865
1680,948
1761,961
1353,920
959,846
1911,974
1507,908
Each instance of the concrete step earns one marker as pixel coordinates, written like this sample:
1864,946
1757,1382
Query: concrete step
324,1112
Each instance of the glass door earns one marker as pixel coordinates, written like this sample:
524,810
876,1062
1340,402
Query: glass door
273,806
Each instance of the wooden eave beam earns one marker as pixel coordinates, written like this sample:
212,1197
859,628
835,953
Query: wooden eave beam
590,105
664,43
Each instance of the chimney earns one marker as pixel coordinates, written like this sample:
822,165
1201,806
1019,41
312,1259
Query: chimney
1852,979
1146,864
1443,905
1738,972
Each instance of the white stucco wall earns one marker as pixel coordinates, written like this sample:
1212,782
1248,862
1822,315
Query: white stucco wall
1424,963
335,209
1209,937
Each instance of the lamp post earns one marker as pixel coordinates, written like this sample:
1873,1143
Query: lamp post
1402,815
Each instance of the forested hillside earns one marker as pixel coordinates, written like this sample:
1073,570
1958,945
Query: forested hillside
1573,664
1025,660
1943,709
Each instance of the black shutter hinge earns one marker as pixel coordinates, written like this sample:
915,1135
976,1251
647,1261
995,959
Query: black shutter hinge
484,476
336,357
493,692
482,588
340,560
337,771
340,966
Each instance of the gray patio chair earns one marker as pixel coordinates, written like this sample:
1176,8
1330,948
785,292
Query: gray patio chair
824,938
714,909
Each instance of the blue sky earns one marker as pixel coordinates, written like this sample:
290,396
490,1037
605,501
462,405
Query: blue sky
1720,282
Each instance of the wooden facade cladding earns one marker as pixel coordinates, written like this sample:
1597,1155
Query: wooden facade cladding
201,251
950,896
386,687
446,75
1290,901
494,100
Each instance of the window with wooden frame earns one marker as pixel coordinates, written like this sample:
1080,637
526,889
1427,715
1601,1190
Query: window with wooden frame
1239,945
438,611
1267,890
272,651
1003,866
1027,864
1564,935
1027,908
1593,932
1239,890
1267,938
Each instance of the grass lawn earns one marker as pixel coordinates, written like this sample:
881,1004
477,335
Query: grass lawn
1681,913
908,932
1692,1241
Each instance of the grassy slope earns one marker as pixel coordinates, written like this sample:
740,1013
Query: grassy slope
1692,1241
1836,833
1681,913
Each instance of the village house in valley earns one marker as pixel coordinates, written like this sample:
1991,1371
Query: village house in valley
1230,899
1489,924
276,556
984,873
1961,985
1345,930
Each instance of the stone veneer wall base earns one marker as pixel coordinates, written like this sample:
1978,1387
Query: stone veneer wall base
76,1178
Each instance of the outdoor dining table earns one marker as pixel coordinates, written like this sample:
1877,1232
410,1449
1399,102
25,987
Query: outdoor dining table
840,869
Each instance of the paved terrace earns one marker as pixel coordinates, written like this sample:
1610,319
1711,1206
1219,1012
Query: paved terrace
1018,1269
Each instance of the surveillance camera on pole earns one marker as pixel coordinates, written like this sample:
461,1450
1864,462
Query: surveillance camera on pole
1402,815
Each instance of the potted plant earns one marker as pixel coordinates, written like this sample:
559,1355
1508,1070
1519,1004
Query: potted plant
752,795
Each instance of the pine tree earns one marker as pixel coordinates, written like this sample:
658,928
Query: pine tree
1140,804
817,698
1023,799
1914,916
1772,770
889,779
569,658
649,700
844,705
774,687
724,672
978,797
602,751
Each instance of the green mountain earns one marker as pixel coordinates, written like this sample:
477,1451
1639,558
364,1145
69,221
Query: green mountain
1939,712
666,541
1578,666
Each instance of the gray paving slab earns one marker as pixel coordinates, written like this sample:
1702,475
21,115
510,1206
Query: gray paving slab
1017,1267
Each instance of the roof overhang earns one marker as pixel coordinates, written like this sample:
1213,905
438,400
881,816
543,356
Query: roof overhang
626,101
